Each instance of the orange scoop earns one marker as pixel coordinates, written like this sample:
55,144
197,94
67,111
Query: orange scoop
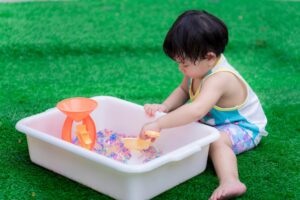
140,144
136,143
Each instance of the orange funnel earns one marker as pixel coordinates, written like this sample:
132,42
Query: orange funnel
78,109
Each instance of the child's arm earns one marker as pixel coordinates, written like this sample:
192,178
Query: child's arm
178,97
211,91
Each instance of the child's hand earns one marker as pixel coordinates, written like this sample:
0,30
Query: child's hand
151,109
152,126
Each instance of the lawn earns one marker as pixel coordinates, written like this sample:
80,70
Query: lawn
54,50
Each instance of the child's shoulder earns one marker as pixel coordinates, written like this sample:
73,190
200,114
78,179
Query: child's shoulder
223,72
221,79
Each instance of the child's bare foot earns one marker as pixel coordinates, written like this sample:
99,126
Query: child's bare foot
228,190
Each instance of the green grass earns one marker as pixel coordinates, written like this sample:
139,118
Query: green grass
54,50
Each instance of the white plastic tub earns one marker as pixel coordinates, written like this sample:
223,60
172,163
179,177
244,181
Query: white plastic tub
185,151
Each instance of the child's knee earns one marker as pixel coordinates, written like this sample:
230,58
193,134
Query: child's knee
223,142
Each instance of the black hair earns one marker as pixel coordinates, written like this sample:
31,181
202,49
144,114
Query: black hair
194,34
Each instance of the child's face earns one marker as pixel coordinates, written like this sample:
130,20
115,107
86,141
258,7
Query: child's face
194,70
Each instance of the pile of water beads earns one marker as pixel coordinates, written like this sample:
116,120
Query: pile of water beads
110,144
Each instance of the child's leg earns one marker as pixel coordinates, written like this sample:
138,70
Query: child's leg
225,164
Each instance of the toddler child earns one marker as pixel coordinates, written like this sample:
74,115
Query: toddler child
220,97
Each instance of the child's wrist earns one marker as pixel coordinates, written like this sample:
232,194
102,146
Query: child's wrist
158,124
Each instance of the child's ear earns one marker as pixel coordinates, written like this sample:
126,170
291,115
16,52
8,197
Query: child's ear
211,56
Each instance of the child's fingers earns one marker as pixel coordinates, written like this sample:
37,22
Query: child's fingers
147,109
152,110
152,135
157,108
142,135
161,109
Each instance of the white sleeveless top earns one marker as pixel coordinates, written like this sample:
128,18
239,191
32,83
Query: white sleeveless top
249,115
